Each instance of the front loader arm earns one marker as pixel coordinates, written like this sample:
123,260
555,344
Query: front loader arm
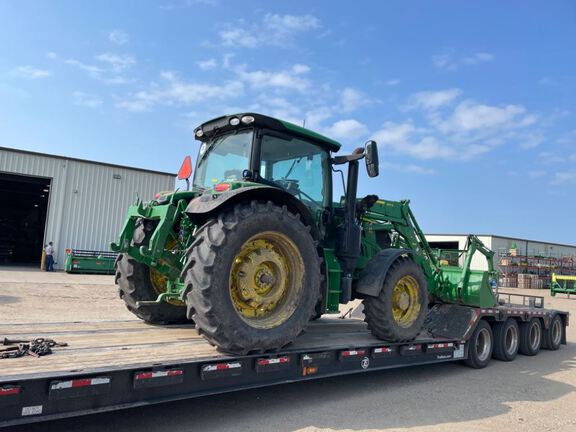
154,254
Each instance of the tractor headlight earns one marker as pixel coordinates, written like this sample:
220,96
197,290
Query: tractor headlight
199,133
248,119
234,121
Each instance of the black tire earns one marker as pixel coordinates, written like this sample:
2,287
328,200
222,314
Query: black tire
135,285
210,261
506,340
378,311
480,346
554,334
531,337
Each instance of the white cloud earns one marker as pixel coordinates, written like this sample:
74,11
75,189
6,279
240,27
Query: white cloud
207,64
344,129
432,100
352,99
86,100
117,62
447,61
392,82
119,37
51,55
110,67
410,168
564,177
31,72
480,57
454,130
290,79
274,30
469,116
175,91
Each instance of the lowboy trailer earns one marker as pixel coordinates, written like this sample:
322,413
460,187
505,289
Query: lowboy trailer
114,365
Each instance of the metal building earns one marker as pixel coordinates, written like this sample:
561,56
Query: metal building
502,247
72,202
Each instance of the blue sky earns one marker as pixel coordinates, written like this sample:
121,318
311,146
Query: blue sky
473,105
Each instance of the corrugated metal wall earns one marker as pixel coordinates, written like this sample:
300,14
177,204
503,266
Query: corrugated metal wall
87,204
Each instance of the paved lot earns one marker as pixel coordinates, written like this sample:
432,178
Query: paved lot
529,394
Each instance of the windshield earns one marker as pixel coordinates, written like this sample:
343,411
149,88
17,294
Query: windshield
223,158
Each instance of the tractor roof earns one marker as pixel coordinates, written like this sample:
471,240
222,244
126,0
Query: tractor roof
222,124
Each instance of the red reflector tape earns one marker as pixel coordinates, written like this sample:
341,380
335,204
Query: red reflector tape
383,350
158,374
279,360
8,391
79,383
353,353
440,345
222,366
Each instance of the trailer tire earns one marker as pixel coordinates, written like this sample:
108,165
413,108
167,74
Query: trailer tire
531,337
506,339
252,278
135,284
397,314
480,346
554,334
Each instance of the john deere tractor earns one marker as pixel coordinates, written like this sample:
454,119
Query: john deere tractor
258,246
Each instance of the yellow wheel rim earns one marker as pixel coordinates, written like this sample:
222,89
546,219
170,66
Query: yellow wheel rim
406,301
159,281
266,280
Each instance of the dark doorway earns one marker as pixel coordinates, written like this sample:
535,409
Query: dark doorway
23,218
444,245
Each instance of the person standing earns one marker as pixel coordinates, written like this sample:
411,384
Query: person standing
49,257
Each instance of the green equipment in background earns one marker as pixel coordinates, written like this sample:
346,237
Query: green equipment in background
565,287
89,261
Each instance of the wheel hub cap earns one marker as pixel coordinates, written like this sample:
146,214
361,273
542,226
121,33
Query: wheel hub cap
406,301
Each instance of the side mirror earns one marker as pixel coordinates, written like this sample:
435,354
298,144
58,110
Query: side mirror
372,164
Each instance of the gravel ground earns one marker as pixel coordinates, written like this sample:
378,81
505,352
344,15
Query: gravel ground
531,393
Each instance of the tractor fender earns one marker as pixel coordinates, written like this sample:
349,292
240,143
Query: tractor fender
372,277
208,204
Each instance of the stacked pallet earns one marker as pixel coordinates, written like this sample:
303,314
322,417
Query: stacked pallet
508,282
524,281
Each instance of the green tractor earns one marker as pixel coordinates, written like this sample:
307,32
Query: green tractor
258,247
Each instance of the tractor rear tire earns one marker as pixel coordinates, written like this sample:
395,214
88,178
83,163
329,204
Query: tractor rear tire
399,311
252,278
135,284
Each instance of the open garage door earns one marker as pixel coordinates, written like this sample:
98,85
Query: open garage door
23,218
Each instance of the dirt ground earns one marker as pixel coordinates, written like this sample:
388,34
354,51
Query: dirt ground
530,394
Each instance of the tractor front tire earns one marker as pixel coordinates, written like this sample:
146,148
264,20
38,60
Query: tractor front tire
135,285
399,311
252,278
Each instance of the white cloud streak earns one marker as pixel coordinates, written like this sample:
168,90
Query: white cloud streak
118,37
273,30
31,72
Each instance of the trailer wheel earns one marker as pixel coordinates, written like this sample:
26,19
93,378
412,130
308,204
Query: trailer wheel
530,337
554,334
506,339
252,278
399,311
138,282
480,346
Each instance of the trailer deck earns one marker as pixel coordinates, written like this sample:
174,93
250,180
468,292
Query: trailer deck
119,364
